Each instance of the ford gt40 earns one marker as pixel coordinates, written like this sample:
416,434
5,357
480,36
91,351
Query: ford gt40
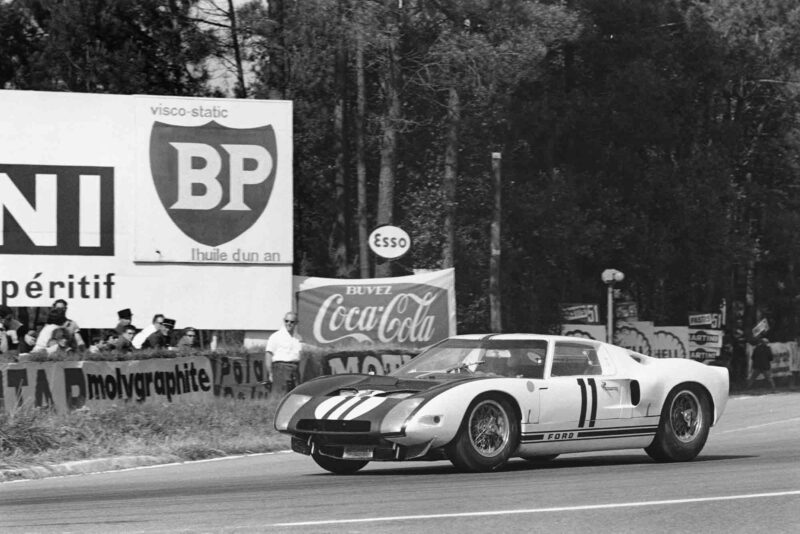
479,400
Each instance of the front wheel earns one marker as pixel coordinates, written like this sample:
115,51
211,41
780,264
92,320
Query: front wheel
684,425
337,465
488,435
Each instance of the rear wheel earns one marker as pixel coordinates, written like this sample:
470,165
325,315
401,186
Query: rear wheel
488,435
684,425
337,465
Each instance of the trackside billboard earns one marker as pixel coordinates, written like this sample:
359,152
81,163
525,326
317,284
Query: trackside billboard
172,205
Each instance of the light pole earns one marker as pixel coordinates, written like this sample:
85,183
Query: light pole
611,277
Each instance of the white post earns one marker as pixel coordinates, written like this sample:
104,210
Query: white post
610,277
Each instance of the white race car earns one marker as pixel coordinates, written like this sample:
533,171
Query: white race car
479,400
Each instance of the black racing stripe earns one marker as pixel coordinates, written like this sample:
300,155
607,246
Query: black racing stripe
335,406
590,438
534,437
582,419
605,430
594,401
617,432
350,409
627,427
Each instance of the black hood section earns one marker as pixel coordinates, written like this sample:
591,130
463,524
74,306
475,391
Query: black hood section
332,384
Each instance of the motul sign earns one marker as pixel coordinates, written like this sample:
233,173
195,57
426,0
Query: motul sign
214,181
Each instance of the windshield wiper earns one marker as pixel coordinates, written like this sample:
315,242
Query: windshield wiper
463,367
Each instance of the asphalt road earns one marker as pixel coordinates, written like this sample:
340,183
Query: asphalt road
746,480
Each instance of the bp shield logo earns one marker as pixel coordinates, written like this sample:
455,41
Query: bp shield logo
214,181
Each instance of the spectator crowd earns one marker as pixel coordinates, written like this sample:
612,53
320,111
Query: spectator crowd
58,335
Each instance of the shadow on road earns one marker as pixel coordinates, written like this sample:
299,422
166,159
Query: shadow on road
518,464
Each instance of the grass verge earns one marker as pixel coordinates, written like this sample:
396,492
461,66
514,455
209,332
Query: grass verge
182,431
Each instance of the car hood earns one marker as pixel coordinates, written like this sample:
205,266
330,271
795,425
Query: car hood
358,384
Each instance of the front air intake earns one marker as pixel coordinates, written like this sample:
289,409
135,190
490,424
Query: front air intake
332,425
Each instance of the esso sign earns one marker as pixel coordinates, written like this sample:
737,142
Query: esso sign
389,242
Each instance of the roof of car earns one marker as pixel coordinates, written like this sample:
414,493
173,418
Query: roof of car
523,336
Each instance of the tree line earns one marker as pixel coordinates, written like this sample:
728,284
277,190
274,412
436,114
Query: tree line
656,137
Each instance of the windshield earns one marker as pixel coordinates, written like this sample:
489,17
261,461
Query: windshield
453,357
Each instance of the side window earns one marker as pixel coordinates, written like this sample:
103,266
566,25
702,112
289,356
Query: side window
515,358
527,362
571,359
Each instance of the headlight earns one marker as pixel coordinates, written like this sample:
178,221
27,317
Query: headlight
396,418
287,409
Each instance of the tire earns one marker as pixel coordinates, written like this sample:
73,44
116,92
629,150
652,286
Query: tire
540,459
683,427
337,465
489,434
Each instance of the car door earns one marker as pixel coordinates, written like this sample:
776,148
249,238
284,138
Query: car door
577,395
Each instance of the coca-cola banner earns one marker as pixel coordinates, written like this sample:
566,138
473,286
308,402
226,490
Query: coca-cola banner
409,312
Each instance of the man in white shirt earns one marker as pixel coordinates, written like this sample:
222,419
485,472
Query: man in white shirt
283,356
141,337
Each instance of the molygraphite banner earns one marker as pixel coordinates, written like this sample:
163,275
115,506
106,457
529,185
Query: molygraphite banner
65,386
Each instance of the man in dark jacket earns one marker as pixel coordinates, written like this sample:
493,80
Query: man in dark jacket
762,363
160,339
123,343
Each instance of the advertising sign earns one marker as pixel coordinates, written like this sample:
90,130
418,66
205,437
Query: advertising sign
580,313
705,320
180,206
626,311
761,328
636,336
670,342
390,242
64,386
403,312
213,186
589,331
704,344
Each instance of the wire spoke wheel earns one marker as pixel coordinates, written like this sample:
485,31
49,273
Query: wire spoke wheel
686,416
489,428
489,434
683,428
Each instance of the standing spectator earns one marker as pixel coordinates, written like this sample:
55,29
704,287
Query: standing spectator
124,342
188,340
73,330
145,332
125,317
282,357
160,339
762,363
